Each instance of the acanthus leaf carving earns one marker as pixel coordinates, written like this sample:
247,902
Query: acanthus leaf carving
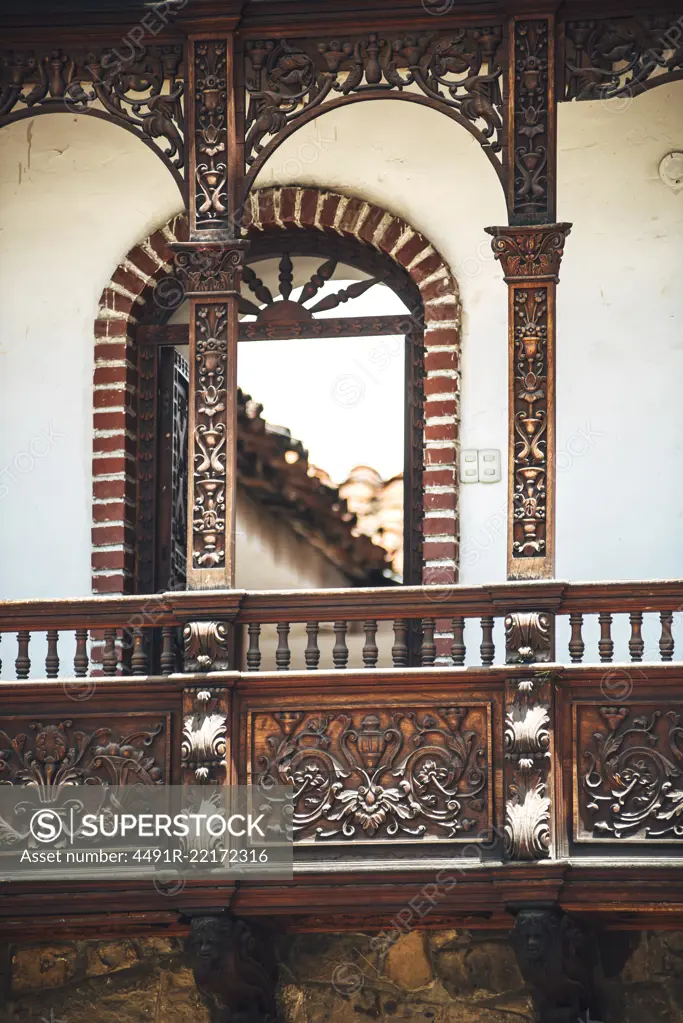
527,755
207,646
381,774
205,735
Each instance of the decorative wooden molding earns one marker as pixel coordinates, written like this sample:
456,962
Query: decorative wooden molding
144,95
556,957
532,120
291,81
234,969
531,259
527,769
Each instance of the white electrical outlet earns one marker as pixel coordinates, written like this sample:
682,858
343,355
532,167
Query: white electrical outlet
489,466
469,465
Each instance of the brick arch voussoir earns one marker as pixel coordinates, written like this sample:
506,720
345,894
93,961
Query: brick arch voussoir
271,210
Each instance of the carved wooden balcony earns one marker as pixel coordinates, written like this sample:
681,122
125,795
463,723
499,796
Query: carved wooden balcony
517,740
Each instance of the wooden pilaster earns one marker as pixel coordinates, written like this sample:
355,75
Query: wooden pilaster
209,266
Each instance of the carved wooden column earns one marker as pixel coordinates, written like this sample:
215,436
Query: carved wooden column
530,252
531,262
209,267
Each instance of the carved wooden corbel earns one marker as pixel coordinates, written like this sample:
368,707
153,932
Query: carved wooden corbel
207,646
204,746
529,637
556,957
234,969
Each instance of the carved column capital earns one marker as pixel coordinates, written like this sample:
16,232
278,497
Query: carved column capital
207,646
529,637
209,270
531,252
234,969
556,957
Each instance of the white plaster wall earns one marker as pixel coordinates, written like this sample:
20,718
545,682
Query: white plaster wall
76,194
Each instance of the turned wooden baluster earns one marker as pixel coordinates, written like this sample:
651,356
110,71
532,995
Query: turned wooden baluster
605,646
254,648
283,654
636,645
340,651
23,661
399,651
576,643
428,647
666,640
138,661
110,661
312,651
52,657
487,648
81,655
370,648
167,661
458,650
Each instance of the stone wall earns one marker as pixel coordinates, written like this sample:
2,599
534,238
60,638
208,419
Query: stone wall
432,976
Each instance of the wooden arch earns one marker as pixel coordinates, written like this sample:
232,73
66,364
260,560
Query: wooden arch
137,294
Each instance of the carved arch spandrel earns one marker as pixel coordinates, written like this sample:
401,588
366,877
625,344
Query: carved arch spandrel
141,287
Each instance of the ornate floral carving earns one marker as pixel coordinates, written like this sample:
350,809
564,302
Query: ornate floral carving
234,969
45,756
379,774
209,432
206,646
555,957
460,71
531,180
530,251
205,730
211,134
621,56
144,93
632,785
528,637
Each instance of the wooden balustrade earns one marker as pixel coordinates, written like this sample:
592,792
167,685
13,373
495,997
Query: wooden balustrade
390,627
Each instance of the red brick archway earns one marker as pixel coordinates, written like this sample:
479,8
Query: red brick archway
116,370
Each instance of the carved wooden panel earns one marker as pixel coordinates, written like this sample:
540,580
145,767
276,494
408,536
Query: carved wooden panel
379,774
628,784
80,749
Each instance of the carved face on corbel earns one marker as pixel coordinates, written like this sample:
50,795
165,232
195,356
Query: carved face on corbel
204,945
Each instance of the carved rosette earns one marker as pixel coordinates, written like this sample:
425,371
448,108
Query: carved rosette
205,736
373,775
234,969
531,183
531,257
527,755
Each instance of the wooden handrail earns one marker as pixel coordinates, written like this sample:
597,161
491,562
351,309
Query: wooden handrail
383,603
